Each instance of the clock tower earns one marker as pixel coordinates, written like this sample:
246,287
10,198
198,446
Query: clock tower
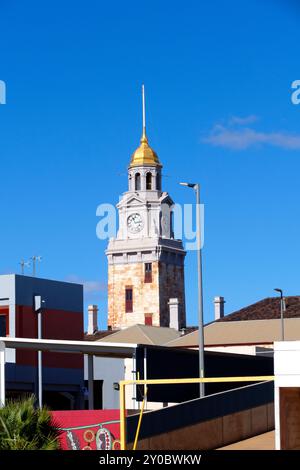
145,262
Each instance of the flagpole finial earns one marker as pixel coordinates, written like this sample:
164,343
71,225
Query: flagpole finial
144,111
144,154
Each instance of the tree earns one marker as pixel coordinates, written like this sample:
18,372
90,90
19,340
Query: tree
25,427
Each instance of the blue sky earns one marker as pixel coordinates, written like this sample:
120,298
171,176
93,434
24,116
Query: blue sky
218,79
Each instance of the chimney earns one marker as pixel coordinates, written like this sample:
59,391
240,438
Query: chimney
219,307
174,313
92,319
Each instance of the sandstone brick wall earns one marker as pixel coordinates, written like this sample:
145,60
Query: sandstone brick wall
145,295
148,298
171,286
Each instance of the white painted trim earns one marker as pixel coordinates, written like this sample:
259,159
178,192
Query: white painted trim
2,375
84,347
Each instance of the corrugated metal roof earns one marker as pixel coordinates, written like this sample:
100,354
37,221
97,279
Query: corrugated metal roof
143,334
242,332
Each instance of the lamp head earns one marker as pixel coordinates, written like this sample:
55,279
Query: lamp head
189,185
278,290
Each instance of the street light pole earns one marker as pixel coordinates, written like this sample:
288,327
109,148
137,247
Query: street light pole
38,302
196,188
200,291
282,309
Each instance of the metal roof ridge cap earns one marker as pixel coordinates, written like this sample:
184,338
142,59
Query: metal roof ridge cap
144,334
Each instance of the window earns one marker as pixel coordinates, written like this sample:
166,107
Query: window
158,182
149,181
172,224
128,300
148,319
138,182
148,272
3,325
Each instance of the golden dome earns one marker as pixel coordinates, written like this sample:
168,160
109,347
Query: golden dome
144,154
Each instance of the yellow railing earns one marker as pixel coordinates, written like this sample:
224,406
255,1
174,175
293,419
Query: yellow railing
123,383
140,421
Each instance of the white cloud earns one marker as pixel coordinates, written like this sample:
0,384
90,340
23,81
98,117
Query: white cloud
94,286
241,138
90,287
242,121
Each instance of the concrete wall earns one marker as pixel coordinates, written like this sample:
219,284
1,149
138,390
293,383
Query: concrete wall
214,433
210,422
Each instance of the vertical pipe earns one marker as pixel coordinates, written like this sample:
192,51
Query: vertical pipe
145,377
139,424
200,292
134,387
40,364
122,416
2,376
91,381
281,316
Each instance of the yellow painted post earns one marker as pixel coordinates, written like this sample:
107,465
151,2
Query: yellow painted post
122,415
140,420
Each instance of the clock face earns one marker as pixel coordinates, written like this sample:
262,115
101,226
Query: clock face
135,223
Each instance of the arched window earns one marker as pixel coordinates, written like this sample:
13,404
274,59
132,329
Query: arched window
137,182
172,224
158,182
149,181
160,222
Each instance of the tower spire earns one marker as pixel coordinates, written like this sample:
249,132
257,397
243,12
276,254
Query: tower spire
144,137
144,154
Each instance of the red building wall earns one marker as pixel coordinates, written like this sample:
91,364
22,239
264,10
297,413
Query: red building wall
56,324
5,311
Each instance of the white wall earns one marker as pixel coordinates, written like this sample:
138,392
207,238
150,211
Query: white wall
110,371
7,290
251,350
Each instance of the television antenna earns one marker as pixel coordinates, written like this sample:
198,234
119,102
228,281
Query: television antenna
35,259
24,264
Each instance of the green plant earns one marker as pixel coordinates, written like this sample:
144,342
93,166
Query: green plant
25,427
